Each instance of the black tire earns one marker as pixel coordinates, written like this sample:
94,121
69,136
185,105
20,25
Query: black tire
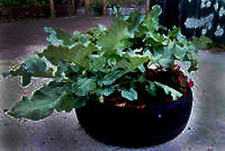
132,127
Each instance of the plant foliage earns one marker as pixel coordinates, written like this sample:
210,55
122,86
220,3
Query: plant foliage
99,61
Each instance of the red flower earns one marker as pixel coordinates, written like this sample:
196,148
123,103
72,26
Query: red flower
185,91
191,83
177,100
150,74
131,105
155,71
172,67
180,80
141,106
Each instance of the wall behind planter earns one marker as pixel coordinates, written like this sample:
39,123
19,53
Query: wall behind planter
203,17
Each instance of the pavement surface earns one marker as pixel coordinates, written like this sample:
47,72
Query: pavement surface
16,36
61,132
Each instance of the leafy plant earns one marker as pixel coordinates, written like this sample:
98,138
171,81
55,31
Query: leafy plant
94,64
22,3
97,7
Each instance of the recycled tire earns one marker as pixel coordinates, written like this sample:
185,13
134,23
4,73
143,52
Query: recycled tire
136,127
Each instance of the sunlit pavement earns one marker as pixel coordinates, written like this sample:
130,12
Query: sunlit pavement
61,132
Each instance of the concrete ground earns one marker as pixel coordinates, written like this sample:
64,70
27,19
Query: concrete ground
61,132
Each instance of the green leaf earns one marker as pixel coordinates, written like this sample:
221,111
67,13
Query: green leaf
64,36
202,42
174,93
154,43
32,67
187,58
151,89
61,68
51,38
35,65
156,10
194,66
84,86
79,54
129,94
151,20
156,39
101,28
22,71
59,35
111,77
182,39
83,39
66,102
72,72
134,20
80,102
141,68
41,104
76,35
129,63
164,56
173,33
97,63
119,14
112,40
105,91
26,79
142,30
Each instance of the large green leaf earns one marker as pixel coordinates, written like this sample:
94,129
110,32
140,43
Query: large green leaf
112,40
33,67
41,104
129,63
79,54
66,102
84,86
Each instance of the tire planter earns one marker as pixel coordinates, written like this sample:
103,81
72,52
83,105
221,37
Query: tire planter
136,127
